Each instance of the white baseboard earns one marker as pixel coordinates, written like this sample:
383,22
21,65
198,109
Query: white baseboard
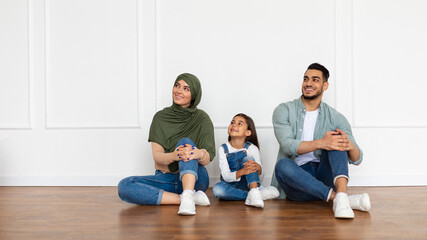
417,180
388,180
60,180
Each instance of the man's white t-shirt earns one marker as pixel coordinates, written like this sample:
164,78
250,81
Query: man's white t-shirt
310,120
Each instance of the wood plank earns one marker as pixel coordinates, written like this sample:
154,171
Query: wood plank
98,213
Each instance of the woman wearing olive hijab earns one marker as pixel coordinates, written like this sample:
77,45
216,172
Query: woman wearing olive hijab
182,141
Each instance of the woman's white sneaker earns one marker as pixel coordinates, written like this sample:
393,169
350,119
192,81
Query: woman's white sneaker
188,206
342,207
254,198
201,199
360,202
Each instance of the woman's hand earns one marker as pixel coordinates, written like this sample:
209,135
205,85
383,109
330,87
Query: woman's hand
187,153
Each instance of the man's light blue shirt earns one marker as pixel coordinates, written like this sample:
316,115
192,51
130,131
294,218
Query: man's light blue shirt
288,122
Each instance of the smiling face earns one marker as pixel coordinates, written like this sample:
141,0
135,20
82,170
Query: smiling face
181,94
238,128
313,84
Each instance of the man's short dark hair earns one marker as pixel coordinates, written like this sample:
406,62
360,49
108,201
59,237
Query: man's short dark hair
321,68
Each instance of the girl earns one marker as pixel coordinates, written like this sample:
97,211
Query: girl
182,142
240,164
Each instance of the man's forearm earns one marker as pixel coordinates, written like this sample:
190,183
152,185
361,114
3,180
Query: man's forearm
354,154
308,146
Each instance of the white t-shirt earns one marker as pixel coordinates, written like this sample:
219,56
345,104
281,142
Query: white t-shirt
226,174
310,120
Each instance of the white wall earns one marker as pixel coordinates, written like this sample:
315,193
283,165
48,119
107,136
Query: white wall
81,80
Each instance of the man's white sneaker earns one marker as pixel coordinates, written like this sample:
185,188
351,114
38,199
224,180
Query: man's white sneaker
254,198
188,206
360,202
342,207
201,199
269,192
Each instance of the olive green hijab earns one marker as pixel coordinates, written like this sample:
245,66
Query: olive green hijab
175,122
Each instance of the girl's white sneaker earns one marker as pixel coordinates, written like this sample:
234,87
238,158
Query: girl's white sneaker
269,192
254,198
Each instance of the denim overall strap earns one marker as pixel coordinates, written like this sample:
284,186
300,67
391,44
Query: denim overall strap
247,144
235,160
225,149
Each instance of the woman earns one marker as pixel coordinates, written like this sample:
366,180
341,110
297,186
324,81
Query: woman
182,141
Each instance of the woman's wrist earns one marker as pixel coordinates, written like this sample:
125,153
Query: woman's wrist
204,157
175,157
201,154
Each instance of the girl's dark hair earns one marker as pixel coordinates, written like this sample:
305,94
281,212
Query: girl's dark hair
253,138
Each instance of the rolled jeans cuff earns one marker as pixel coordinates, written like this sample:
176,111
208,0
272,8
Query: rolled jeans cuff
159,198
187,171
329,194
253,178
339,176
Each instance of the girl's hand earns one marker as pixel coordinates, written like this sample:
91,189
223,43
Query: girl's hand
249,167
252,165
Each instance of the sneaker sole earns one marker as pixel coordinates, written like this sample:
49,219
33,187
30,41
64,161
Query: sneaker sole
344,216
367,203
255,205
187,213
203,205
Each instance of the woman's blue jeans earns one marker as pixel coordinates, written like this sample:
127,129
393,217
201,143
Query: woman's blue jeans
236,190
313,180
148,190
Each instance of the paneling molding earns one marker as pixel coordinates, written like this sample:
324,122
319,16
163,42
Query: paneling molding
53,125
30,48
357,119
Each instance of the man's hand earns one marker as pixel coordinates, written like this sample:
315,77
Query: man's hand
336,140
350,145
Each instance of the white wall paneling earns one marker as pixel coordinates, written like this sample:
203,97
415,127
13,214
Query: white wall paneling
86,77
105,145
389,53
390,57
92,64
249,55
14,65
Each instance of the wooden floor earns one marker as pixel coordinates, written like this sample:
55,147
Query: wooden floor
97,213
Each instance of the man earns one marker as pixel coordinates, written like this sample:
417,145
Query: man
316,145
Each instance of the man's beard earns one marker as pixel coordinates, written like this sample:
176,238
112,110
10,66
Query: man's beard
312,97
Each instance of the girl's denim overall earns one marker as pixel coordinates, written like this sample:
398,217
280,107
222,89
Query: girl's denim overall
236,190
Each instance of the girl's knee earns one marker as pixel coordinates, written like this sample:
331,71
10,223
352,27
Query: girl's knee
245,159
218,190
